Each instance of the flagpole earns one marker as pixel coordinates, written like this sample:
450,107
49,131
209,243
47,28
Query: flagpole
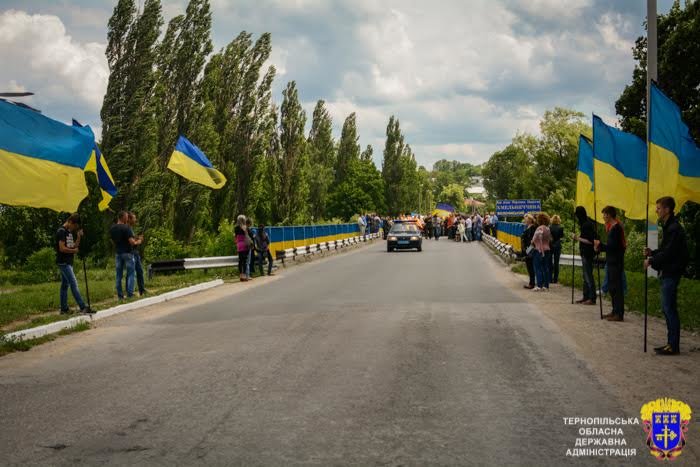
652,75
573,263
595,228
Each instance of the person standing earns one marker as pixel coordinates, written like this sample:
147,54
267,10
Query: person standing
670,260
468,228
262,245
462,231
251,248
494,224
124,241
361,224
542,253
437,227
242,246
615,261
587,253
67,243
528,248
138,265
479,224
557,232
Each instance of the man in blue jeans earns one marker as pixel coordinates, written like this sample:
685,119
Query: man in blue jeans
124,241
138,265
670,260
66,247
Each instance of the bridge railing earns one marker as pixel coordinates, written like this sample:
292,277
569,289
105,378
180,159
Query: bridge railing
509,233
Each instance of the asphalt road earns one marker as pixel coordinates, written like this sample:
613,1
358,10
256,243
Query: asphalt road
366,358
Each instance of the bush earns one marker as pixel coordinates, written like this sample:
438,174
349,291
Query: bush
161,245
634,257
41,265
222,244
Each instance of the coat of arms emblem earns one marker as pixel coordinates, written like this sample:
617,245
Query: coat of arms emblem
666,425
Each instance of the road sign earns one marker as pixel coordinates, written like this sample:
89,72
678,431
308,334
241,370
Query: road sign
517,207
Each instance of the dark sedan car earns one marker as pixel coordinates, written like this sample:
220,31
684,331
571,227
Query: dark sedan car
404,236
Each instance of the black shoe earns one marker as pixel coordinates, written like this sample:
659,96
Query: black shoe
87,310
64,312
667,350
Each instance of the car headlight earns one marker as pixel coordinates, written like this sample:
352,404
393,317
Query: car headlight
415,238
392,239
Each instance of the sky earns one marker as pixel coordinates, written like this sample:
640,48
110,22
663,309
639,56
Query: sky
462,76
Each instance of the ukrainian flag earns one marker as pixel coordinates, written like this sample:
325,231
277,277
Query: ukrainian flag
42,160
674,158
584,175
190,162
98,165
443,210
619,169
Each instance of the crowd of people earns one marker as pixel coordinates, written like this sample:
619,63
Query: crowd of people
541,244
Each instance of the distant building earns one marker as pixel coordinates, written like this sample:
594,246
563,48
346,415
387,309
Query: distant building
477,190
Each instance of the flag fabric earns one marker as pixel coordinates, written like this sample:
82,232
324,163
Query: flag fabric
619,170
42,160
674,158
584,176
443,210
189,162
97,164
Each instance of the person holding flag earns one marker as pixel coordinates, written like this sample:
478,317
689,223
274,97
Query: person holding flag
615,261
67,243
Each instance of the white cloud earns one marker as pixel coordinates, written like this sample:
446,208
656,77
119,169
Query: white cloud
38,54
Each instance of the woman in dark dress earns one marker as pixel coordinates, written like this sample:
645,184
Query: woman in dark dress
557,232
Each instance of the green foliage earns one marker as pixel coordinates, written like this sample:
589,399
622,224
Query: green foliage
361,192
453,194
451,172
42,265
162,245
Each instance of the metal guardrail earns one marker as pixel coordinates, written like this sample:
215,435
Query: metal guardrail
232,261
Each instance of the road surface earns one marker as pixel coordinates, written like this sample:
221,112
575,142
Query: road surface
365,358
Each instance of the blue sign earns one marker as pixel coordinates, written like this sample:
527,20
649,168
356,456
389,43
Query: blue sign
517,207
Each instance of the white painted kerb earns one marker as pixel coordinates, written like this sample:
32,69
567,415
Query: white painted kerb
52,328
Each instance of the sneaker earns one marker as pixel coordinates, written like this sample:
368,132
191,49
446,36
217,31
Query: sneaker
87,310
64,312
528,286
143,292
536,289
582,300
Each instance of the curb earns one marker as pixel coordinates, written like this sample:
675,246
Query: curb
52,328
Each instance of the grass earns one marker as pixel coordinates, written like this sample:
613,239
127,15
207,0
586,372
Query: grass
27,306
19,345
688,293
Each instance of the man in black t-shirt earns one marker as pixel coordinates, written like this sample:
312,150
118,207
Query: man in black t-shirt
124,240
138,265
66,246
585,240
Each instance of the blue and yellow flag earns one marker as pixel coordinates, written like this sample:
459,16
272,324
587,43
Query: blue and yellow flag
190,162
98,165
584,176
443,210
42,160
620,170
674,158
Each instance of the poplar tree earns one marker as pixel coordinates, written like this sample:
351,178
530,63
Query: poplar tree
348,148
322,157
292,170
392,170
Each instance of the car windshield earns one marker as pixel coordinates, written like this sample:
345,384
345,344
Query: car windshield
404,228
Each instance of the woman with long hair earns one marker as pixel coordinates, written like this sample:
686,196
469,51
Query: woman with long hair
242,246
542,254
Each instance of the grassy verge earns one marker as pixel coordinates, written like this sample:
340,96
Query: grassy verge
18,345
27,306
688,293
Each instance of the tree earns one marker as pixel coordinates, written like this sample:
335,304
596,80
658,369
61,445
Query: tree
322,160
392,170
506,172
348,148
361,192
453,194
447,172
292,162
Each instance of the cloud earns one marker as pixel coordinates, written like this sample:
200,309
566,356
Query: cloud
37,53
462,77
